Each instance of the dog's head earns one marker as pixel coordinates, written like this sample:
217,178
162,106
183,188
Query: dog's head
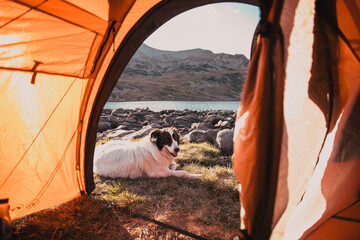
167,138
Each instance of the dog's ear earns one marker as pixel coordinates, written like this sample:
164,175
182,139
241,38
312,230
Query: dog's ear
155,137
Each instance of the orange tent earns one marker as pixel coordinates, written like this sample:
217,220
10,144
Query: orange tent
297,147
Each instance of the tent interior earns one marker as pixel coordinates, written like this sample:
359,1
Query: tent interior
297,140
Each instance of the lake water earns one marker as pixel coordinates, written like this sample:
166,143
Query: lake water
175,105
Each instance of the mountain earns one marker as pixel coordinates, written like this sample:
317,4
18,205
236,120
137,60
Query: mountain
197,75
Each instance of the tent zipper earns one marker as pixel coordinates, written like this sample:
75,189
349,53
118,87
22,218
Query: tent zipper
108,34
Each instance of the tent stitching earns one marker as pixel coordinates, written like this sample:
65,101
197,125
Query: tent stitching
101,49
41,40
43,72
334,216
89,54
38,134
16,18
58,17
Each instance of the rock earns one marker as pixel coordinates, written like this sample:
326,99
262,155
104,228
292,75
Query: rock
118,134
130,126
214,119
201,126
104,118
139,134
131,119
106,111
224,140
213,133
198,136
166,111
168,121
154,118
186,121
223,124
139,116
118,113
103,126
114,121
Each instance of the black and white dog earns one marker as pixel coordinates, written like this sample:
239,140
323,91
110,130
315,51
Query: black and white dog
153,156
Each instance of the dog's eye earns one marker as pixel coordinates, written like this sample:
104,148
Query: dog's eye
167,139
175,137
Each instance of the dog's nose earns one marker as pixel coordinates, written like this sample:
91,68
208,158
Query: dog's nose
177,149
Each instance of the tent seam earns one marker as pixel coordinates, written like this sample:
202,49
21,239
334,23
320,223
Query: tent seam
21,15
43,72
333,216
55,16
38,134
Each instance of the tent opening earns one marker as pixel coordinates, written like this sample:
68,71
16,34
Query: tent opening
197,91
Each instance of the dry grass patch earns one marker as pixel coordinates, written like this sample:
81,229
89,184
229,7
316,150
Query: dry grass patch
81,218
199,153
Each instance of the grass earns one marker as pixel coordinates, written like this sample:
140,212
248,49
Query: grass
102,141
203,154
208,206
82,218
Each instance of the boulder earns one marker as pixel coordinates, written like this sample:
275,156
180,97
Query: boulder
168,121
114,121
118,112
131,119
198,136
223,124
139,134
201,126
213,133
106,111
153,118
103,126
139,115
130,126
214,119
224,140
186,121
117,134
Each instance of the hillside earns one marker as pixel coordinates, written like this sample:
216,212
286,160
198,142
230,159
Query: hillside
196,74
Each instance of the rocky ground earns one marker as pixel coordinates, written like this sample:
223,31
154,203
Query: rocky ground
215,126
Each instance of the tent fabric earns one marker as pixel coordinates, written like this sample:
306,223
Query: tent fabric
318,173
258,124
296,142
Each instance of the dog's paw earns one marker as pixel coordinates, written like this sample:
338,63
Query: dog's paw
172,166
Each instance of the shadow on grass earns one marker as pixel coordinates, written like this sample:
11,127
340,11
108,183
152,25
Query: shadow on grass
81,218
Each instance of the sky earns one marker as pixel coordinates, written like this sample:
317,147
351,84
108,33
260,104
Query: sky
220,28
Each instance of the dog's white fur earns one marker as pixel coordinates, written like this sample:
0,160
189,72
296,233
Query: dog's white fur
137,159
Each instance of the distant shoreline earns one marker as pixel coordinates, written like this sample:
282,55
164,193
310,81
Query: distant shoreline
175,105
